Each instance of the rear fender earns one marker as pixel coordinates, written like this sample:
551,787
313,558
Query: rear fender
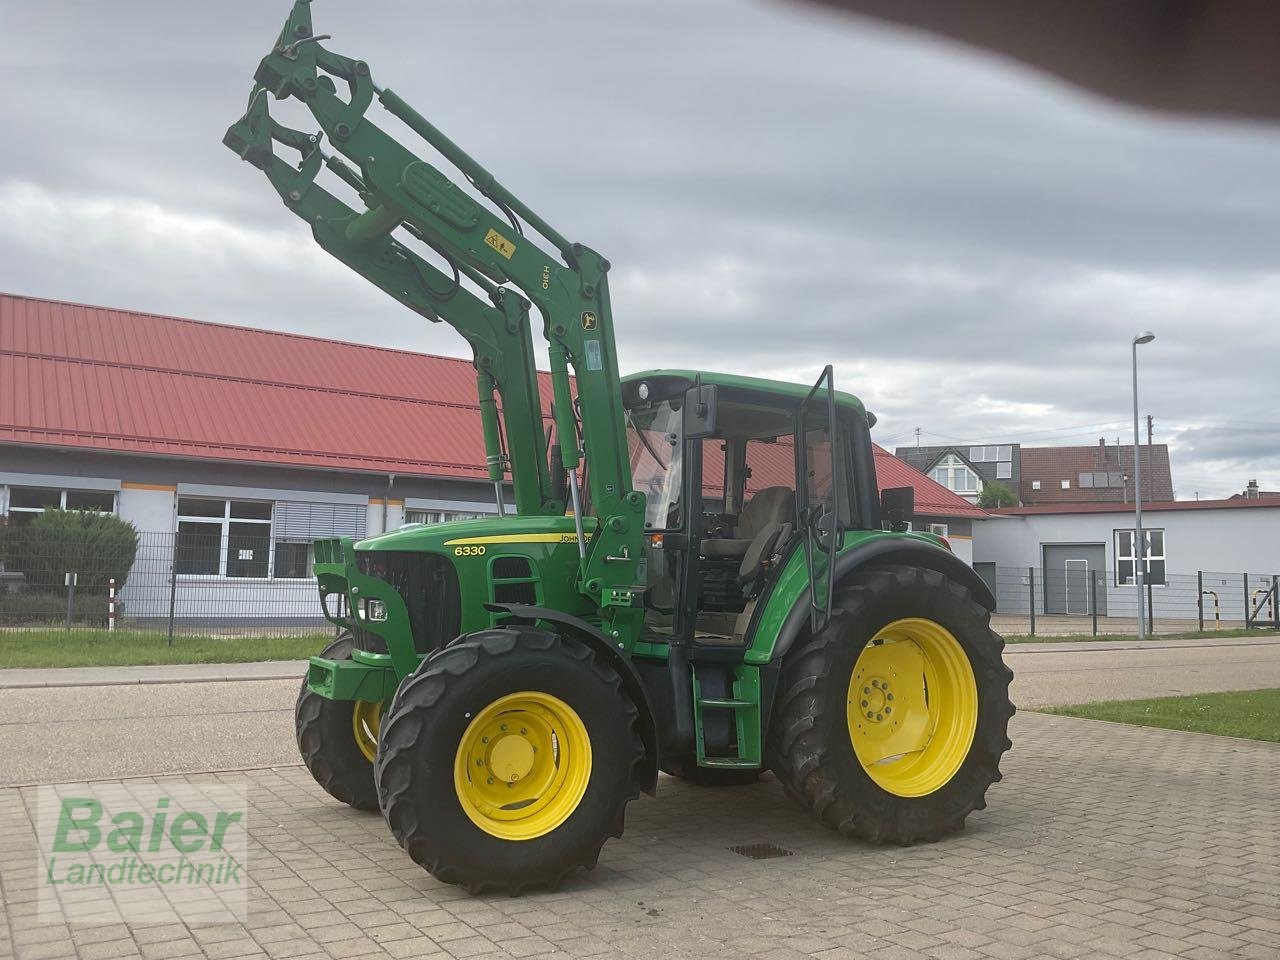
608,649
885,550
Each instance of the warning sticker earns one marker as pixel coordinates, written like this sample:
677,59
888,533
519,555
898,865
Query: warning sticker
593,355
500,243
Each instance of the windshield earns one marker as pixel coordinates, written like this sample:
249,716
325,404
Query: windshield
653,438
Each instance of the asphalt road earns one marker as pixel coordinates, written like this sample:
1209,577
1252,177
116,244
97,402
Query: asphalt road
61,734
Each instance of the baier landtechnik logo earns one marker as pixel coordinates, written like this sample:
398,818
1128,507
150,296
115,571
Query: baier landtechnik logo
145,852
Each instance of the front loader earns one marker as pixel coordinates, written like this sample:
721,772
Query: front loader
698,575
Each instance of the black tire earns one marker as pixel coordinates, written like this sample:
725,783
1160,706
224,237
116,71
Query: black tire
809,747
687,769
427,721
327,743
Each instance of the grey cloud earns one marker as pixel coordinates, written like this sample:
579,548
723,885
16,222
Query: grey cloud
971,245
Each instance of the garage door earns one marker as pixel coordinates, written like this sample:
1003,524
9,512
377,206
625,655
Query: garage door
1067,570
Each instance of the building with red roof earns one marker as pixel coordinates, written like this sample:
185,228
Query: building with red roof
256,442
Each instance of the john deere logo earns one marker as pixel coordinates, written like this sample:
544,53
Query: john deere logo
588,320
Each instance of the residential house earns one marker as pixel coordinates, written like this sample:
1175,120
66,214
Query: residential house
1252,492
966,469
1102,473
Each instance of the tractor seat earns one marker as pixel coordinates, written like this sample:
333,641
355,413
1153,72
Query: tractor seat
763,515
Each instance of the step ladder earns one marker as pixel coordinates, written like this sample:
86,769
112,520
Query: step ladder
745,704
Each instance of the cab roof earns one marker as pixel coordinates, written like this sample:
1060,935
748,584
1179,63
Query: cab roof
732,381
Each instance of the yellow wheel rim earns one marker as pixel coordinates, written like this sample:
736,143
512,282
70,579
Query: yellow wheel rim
913,707
366,720
523,766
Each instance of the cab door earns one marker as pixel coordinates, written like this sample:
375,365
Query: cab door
819,493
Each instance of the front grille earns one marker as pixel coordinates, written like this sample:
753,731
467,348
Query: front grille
428,584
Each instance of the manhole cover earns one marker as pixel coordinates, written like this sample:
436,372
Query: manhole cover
762,851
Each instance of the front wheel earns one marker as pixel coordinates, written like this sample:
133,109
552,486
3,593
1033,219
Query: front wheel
508,759
338,739
891,721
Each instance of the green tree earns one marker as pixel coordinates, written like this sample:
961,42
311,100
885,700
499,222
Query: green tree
996,494
96,546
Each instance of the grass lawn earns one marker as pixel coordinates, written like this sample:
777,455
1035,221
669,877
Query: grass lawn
1191,635
98,648
1251,714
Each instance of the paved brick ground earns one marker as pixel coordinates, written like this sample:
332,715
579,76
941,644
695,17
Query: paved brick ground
1103,841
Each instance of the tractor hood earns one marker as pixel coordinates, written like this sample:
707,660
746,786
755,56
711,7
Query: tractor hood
438,537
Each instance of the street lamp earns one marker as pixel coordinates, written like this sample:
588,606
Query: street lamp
1139,541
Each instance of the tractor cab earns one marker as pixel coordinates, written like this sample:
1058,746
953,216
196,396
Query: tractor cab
739,475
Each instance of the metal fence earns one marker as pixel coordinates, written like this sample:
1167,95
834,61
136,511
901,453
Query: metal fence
178,585
1055,602
238,584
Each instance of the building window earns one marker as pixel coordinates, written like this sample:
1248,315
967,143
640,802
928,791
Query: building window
939,529
1066,484
258,539
955,475
1154,567
438,516
1035,484
228,538
27,503
1101,478
1004,470
292,561
991,454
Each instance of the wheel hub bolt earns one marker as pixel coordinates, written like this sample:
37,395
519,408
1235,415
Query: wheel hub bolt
889,696
870,715
479,763
875,683
866,689
864,703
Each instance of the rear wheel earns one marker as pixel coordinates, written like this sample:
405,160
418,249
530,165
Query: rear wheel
508,759
338,739
892,720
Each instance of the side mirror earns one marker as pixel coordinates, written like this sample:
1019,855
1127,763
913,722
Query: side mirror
898,507
700,411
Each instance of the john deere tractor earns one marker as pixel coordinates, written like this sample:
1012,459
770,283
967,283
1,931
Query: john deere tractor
688,571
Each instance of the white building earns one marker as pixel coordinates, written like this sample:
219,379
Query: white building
1083,549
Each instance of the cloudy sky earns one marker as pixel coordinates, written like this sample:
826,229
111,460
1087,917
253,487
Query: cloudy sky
971,245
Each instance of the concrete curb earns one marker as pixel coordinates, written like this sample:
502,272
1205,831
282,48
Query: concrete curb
39,678
1112,646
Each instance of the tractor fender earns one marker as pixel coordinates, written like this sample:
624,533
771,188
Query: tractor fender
612,654
915,553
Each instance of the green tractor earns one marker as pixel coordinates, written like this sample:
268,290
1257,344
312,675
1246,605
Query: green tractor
695,573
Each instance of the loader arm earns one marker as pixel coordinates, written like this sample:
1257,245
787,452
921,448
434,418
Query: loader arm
501,343
568,287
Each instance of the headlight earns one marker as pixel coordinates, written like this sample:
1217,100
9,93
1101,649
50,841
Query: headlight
375,611
642,391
